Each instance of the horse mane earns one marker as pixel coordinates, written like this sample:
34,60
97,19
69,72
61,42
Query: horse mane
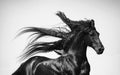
63,33
35,47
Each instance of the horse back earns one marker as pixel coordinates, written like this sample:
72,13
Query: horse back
33,61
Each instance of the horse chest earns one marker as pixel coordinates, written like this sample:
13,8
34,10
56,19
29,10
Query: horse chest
85,68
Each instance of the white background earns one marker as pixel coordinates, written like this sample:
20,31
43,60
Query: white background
15,14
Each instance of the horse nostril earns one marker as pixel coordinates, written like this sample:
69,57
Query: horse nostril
101,49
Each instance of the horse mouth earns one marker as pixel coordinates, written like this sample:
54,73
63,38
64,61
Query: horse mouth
100,51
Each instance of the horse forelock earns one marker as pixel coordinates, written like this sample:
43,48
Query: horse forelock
82,24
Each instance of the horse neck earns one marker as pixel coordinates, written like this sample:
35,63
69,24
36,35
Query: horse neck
78,47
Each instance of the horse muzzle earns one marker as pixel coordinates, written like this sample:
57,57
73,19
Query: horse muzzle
100,50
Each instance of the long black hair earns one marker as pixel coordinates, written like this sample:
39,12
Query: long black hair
35,47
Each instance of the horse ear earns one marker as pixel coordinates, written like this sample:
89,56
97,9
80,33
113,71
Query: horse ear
92,23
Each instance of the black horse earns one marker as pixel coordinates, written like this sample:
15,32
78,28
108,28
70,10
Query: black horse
74,44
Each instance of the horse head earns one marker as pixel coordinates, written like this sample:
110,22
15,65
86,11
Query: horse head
92,38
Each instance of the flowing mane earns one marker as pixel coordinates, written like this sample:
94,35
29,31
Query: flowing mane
63,33
35,47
